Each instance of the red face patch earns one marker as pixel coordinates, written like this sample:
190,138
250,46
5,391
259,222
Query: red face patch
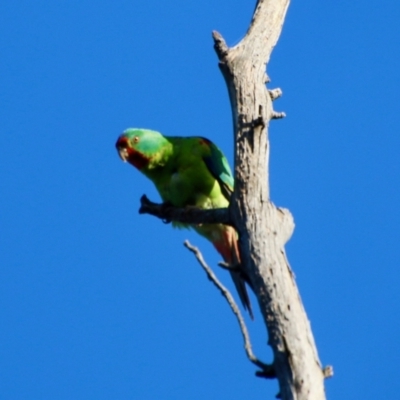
134,157
137,159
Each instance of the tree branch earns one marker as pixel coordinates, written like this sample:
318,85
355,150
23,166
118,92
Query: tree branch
275,93
267,370
188,215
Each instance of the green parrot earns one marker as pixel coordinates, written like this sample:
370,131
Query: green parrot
188,172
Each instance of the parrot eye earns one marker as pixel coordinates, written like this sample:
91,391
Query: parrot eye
135,139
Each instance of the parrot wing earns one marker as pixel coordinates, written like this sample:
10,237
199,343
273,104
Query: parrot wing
218,166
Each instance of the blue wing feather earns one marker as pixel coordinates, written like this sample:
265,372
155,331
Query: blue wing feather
218,166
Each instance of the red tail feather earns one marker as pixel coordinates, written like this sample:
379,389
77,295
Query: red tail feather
227,246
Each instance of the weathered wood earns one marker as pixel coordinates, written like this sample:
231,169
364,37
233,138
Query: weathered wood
263,228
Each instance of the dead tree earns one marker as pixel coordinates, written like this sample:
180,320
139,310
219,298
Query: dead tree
263,228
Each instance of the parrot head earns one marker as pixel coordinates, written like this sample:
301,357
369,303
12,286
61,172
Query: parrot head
139,146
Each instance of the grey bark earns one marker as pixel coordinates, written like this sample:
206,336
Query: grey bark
263,228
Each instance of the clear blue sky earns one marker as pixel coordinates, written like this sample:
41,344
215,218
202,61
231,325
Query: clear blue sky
98,302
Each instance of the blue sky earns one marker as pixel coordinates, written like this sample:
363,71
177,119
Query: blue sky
99,302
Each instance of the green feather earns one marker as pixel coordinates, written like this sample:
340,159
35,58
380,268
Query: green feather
188,172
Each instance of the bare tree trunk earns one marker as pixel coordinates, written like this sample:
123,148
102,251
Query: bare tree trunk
263,228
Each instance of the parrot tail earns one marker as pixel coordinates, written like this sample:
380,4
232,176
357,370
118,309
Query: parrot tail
228,247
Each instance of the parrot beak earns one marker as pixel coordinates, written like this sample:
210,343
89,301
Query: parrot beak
123,153
121,146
